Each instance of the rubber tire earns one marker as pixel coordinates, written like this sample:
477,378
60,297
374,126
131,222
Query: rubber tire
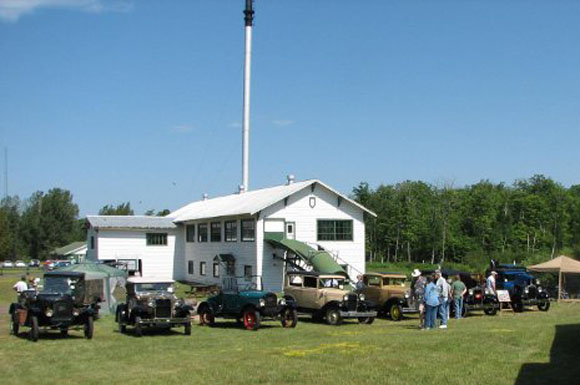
205,317
289,318
122,328
249,315
34,331
366,320
138,327
333,316
187,328
518,307
395,312
89,327
464,311
14,326
544,306
490,310
64,332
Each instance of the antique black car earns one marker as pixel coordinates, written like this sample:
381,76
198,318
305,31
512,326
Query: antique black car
241,299
524,288
67,301
151,302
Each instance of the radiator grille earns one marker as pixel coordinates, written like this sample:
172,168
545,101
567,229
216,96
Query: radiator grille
352,302
163,308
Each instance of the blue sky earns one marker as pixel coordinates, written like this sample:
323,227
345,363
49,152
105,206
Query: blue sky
140,101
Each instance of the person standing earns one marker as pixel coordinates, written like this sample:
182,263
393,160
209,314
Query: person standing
459,289
443,288
360,284
418,290
431,300
21,285
490,283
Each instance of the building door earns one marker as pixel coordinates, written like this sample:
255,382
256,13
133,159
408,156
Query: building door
290,230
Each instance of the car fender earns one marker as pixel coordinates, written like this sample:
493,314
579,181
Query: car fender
331,304
290,300
394,300
207,305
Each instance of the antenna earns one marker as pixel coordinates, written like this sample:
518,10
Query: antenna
249,21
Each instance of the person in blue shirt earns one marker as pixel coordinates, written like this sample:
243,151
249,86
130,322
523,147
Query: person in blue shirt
431,302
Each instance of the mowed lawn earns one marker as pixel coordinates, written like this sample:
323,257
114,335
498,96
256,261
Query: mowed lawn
528,348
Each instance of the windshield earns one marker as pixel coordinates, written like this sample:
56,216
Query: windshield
148,287
334,283
59,285
394,281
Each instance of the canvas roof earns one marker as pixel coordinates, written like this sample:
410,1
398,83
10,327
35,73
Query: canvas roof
94,270
560,264
248,203
68,249
130,222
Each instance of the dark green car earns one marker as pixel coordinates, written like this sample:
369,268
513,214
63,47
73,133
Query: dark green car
246,304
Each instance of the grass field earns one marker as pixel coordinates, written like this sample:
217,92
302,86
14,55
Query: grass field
528,348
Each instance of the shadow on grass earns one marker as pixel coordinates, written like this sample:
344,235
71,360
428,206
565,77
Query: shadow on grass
310,320
563,367
51,335
235,325
152,332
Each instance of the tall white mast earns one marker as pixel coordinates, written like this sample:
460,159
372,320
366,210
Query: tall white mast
249,19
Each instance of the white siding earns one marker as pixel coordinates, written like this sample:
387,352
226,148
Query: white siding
298,210
156,261
244,252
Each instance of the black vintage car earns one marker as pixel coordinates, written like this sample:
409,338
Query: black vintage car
242,299
152,303
524,288
476,298
67,301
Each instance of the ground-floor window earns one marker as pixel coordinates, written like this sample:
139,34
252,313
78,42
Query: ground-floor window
248,272
189,267
216,270
202,270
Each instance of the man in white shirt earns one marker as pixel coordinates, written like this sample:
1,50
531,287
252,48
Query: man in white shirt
490,283
444,289
21,285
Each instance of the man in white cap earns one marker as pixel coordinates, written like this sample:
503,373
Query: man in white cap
418,290
490,283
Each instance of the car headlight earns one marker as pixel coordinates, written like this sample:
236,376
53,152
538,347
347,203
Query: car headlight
526,290
537,282
282,302
540,289
179,303
262,302
48,312
345,298
471,291
407,295
151,303
76,312
361,297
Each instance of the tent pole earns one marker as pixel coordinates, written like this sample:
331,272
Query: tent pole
559,285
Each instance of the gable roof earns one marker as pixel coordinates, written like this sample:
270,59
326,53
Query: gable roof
70,248
248,203
130,222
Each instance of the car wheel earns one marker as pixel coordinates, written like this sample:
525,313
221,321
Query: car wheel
544,306
395,312
122,327
89,327
34,328
289,318
187,327
366,320
64,332
518,307
490,310
333,316
138,327
464,311
14,325
251,319
206,317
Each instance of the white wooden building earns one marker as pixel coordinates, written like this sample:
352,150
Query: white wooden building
194,242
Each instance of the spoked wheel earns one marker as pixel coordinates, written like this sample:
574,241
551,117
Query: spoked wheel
289,318
333,316
395,312
138,327
33,335
89,327
490,310
206,317
544,306
366,320
251,319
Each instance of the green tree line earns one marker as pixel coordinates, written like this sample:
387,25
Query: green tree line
45,221
529,221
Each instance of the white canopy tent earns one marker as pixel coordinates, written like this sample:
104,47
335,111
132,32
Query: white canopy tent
563,266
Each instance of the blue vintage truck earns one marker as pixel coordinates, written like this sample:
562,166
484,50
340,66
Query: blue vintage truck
523,287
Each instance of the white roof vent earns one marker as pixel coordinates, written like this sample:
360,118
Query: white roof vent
290,179
205,196
241,189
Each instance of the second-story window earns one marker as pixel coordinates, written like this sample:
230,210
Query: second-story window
231,231
216,232
202,232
